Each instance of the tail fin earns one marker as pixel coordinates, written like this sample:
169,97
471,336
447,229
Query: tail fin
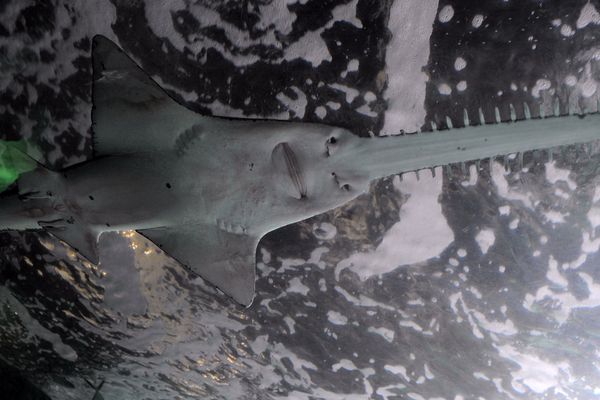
45,190
14,161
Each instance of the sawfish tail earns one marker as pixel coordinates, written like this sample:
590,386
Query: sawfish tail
19,211
14,161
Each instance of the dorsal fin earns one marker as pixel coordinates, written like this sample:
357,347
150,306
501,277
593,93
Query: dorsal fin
131,112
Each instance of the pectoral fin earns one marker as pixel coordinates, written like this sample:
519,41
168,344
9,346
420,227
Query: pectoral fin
82,239
227,260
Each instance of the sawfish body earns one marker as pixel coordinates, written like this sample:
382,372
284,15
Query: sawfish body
205,189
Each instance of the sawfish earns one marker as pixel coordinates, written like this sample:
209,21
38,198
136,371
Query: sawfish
206,189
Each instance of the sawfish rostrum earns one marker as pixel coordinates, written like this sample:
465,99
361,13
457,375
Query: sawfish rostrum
206,189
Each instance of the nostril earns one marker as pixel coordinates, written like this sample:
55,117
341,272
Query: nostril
346,187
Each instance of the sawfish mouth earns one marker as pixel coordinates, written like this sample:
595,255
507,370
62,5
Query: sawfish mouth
288,170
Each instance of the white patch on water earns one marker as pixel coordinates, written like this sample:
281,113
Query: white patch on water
353,65
473,177
571,80
460,64
562,302
485,239
477,21
444,89
366,110
540,85
350,92
588,15
446,14
296,106
385,333
503,188
461,86
290,323
398,370
296,286
411,25
554,275
534,374
566,30
554,217
324,231
364,301
422,232
555,174
333,105
336,318
321,112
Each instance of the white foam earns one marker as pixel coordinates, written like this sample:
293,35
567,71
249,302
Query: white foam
444,89
446,14
336,318
503,188
296,286
534,374
540,85
411,25
385,333
477,20
460,64
555,174
485,239
321,112
422,232
297,106
588,15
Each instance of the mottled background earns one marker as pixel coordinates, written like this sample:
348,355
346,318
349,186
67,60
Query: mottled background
480,282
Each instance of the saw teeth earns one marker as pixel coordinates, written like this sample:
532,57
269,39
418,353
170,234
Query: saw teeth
463,167
481,117
497,114
550,157
513,113
466,117
556,108
449,123
526,111
433,126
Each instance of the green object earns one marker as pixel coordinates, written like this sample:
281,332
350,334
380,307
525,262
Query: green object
14,161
